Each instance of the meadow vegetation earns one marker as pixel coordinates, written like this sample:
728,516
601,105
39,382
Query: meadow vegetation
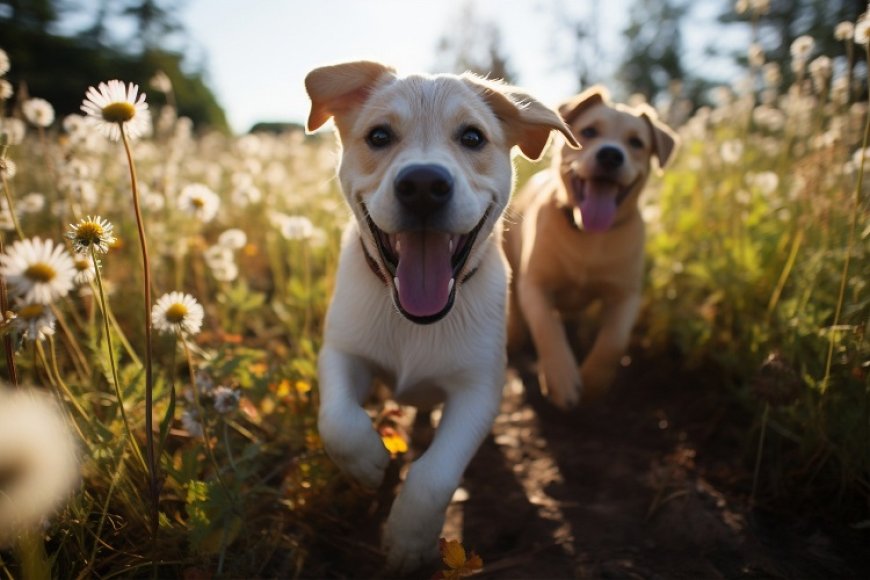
758,274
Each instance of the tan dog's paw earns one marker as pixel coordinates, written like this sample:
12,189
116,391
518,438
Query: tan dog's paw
561,382
597,379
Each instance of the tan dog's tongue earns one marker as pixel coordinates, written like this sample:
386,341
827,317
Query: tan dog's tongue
598,207
424,272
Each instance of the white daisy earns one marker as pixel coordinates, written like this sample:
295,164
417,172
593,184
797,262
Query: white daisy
844,30
34,321
200,201
38,111
85,271
8,168
91,232
4,62
177,313
115,104
37,270
5,90
39,461
802,46
33,202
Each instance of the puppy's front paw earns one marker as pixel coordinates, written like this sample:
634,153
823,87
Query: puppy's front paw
410,539
560,381
354,445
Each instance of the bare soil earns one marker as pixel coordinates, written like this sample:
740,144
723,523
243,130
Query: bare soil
653,482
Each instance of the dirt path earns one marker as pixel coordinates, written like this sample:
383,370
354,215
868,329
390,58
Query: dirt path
645,484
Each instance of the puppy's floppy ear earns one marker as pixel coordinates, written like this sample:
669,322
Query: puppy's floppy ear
665,140
573,107
338,89
527,121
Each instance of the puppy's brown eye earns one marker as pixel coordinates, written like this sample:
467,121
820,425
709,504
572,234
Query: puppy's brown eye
636,143
472,138
588,132
380,137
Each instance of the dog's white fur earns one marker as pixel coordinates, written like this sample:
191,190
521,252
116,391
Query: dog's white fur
458,360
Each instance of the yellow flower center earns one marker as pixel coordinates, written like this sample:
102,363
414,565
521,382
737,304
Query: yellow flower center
176,313
197,202
31,311
82,265
89,233
119,112
40,272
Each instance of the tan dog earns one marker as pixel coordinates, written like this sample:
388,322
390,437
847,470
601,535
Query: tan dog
581,238
421,289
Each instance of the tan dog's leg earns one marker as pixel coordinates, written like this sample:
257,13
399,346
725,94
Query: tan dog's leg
600,366
557,368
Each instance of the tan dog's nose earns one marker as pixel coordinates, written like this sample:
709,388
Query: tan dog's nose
610,158
424,188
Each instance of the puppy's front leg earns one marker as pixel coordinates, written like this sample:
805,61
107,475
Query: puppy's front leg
417,516
557,368
345,428
602,362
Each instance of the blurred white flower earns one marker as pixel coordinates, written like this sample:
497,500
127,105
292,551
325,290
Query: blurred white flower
113,104
12,130
766,181
200,201
218,255
38,112
801,47
294,227
731,151
225,271
5,90
4,62
33,320
37,270
177,313
39,460
160,82
844,31
8,168
85,271
33,202
233,238
862,30
190,422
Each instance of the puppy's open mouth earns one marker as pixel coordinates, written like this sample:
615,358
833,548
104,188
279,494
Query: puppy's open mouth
424,266
597,198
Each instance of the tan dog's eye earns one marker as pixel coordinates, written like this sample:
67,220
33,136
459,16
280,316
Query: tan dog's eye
589,132
472,138
636,143
380,137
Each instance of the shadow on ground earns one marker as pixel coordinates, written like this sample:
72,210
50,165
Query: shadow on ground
645,484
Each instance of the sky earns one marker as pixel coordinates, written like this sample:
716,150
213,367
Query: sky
256,53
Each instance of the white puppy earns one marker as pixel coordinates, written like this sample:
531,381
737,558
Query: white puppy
420,294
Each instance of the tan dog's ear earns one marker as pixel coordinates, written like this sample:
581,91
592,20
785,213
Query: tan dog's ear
573,107
528,122
337,89
665,140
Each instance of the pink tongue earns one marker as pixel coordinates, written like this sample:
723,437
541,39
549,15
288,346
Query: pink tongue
598,207
424,272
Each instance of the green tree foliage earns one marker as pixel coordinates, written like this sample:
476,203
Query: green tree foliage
653,56
59,67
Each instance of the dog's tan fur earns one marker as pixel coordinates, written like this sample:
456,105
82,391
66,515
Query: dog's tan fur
458,357
559,265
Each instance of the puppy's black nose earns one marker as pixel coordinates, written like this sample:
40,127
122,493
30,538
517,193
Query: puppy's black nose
610,158
424,189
